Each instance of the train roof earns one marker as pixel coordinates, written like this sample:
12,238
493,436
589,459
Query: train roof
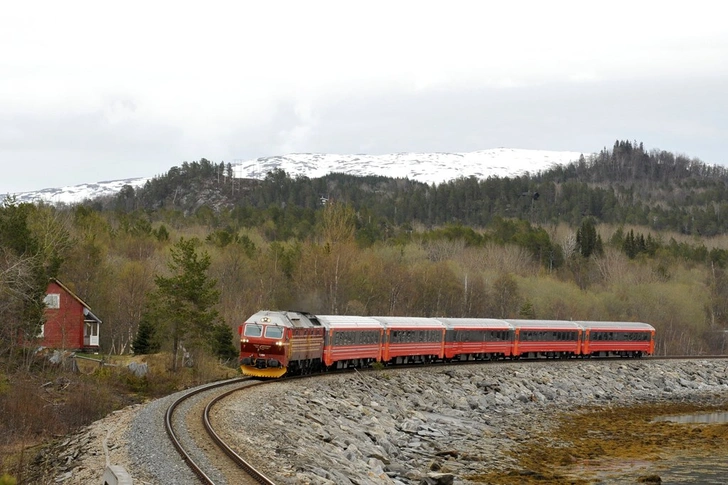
591,325
282,319
348,321
410,322
488,323
545,324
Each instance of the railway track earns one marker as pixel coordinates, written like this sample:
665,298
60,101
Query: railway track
235,469
189,439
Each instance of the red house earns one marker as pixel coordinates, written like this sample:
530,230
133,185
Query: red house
70,323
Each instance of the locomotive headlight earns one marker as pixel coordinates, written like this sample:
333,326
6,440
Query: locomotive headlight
279,344
244,340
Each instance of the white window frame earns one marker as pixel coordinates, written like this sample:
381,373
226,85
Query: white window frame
53,301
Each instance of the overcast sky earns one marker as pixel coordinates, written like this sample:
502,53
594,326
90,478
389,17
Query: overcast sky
93,91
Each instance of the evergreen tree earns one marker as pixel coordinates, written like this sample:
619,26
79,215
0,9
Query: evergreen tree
629,246
145,341
588,242
527,311
221,342
182,307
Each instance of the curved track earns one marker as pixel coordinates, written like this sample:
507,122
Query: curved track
251,475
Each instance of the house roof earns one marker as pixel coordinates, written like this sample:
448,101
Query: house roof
87,313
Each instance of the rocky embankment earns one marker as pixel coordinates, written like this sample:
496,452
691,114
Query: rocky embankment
434,425
442,425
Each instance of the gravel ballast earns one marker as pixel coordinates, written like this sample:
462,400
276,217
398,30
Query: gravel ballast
433,425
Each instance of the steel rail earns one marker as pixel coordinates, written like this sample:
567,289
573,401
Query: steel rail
263,480
173,437
249,469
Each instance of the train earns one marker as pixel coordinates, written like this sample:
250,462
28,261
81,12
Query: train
278,343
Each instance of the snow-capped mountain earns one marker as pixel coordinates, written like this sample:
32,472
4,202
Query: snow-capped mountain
423,167
74,194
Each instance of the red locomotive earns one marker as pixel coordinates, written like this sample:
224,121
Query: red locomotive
273,343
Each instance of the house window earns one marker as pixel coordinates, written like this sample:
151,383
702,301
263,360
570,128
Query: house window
41,334
53,300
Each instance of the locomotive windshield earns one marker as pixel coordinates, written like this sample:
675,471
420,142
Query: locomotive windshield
273,332
253,330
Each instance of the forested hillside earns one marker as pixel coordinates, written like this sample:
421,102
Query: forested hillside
625,185
624,235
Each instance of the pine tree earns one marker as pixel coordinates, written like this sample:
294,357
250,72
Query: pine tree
182,307
587,240
145,341
222,342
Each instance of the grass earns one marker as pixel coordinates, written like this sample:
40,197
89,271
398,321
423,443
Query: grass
48,402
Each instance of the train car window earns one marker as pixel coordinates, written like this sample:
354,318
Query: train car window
253,330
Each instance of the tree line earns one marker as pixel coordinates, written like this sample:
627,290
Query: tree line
626,184
182,278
